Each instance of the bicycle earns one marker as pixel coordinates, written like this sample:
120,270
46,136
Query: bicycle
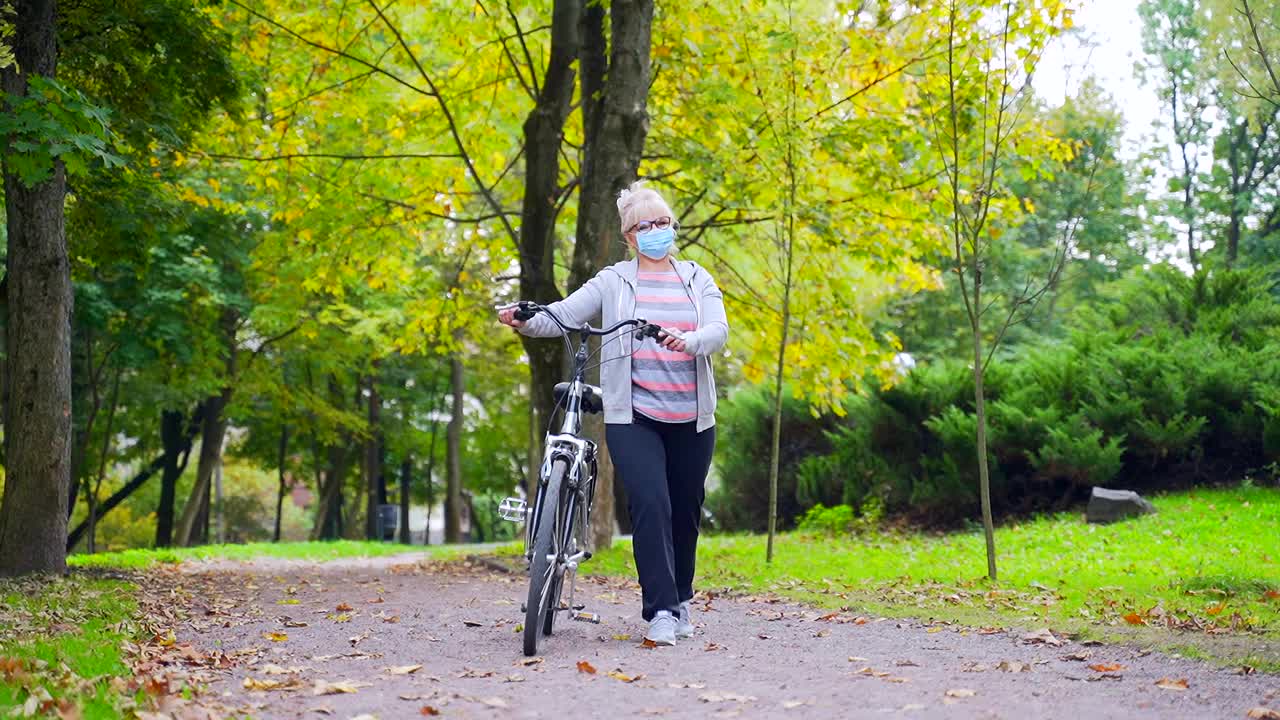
558,521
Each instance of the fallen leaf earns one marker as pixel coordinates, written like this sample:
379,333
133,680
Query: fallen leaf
340,618
374,601
495,702
1263,713
404,669
855,658
961,693
344,607
934,629
896,679
514,677
428,711
1271,595
762,636
619,675
1045,636
907,663
1106,667
712,646
471,623
530,661
294,624
275,636
323,687
647,643
252,683
1078,656
622,637
1013,666
1134,618
1172,684
793,704
715,697
1216,609
586,667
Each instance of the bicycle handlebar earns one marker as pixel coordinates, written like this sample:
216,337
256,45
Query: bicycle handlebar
526,309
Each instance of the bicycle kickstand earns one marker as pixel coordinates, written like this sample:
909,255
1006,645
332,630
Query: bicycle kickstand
575,611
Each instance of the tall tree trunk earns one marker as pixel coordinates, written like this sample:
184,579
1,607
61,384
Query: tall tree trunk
177,448
406,480
195,514
431,469
543,136
980,409
614,130
372,465
281,455
37,422
453,452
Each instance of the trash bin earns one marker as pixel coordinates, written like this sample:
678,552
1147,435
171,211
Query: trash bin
388,522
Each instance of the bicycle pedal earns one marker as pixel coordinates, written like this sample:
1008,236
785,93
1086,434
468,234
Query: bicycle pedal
579,607
585,616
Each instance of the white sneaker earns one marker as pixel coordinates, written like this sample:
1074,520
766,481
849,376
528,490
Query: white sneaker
662,629
684,624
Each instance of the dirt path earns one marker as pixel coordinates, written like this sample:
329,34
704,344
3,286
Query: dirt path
296,626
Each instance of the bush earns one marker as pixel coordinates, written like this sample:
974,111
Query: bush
744,431
1170,381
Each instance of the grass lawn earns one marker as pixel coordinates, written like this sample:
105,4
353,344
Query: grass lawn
60,642
1202,576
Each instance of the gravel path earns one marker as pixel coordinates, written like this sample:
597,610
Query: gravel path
296,636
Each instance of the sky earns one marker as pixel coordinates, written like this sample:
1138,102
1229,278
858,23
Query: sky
1115,29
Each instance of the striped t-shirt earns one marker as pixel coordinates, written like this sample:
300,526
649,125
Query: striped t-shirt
664,384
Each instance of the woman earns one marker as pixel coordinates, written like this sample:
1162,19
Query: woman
659,397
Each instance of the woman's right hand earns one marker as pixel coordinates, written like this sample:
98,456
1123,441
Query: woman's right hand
507,316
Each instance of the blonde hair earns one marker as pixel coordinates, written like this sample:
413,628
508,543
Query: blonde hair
637,203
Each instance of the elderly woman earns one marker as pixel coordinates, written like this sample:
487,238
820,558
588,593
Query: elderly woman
659,397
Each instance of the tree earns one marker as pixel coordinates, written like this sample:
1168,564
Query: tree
37,378
1172,35
974,109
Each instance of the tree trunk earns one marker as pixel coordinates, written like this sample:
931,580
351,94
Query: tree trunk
37,422
453,452
406,479
543,136
212,431
614,131
980,409
195,514
177,448
431,469
281,489
372,465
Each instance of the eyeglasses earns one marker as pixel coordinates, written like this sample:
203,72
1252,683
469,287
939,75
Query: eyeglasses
661,223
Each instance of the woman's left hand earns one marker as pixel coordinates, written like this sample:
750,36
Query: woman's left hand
671,342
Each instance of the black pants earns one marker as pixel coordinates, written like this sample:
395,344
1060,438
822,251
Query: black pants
664,467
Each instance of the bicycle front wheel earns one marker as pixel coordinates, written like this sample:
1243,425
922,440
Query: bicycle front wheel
542,568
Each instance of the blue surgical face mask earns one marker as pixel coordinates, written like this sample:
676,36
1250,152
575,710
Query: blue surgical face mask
656,243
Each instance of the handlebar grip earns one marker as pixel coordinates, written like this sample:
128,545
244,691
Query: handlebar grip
523,314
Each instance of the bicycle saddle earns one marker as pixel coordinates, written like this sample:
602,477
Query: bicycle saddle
592,397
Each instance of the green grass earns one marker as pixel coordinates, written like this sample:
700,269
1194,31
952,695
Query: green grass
63,637
1209,559
309,551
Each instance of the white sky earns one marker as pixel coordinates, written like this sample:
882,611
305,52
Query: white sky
1115,30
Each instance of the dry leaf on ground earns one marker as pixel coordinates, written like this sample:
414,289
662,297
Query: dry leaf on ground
428,711
1172,684
1106,667
715,697
961,693
404,669
324,687
1044,636
275,636
586,667
619,675
1263,713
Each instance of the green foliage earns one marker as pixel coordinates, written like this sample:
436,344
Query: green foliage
1170,381
54,123
744,426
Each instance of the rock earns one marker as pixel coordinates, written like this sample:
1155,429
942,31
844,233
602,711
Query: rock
1108,506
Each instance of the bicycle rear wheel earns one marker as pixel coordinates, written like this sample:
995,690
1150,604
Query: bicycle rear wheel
542,569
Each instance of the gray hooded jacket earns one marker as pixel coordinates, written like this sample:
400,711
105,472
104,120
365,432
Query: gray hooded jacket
611,296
